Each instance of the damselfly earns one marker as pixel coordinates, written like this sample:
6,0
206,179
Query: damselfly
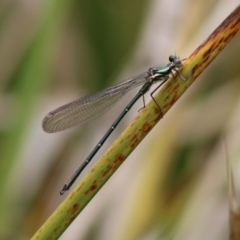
91,106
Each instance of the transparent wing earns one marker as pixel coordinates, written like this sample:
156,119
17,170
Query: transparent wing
89,107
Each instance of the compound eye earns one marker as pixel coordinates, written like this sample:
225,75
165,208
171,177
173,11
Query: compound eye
172,58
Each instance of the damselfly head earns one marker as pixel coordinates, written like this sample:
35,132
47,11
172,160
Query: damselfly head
176,61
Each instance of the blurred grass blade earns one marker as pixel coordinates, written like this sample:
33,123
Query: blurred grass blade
234,210
25,87
138,129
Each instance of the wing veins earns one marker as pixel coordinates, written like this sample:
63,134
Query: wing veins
89,107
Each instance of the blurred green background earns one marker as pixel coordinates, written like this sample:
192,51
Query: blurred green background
173,186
